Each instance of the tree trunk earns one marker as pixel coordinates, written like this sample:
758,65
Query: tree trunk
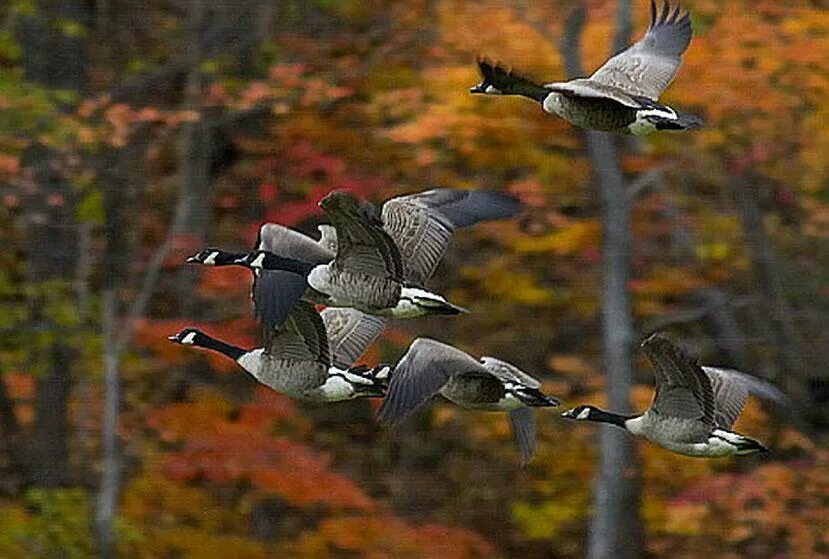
53,59
792,369
615,528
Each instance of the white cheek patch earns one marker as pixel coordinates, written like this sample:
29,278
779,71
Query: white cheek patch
211,258
583,414
257,262
189,338
492,90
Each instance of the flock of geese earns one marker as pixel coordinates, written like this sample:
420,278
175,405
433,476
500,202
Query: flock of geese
372,264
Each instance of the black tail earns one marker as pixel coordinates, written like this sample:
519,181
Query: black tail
682,122
369,390
750,446
448,309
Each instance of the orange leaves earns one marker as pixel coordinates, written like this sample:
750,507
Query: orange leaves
224,450
9,166
272,465
778,508
223,281
21,387
388,537
177,422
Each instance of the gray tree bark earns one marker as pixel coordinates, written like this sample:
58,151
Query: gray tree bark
615,529
793,372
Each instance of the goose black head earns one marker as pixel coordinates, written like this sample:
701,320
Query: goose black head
188,336
211,257
486,87
581,412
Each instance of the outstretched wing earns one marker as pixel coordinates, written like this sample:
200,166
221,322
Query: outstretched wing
648,66
683,390
522,422
731,389
421,373
583,87
362,244
301,339
350,332
276,292
507,372
284,241
421,224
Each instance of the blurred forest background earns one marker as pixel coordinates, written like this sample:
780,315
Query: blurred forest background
133,134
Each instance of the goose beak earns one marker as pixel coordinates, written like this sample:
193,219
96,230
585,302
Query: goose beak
192,260
173,338
478,88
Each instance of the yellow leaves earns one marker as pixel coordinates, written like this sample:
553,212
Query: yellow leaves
548,519
478,28
189,543
50,523
662,284
568,240
509,284
686,519
571,365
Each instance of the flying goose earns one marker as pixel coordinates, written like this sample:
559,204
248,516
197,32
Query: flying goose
274,292
384,257
311,356
621,96
693,408
431,367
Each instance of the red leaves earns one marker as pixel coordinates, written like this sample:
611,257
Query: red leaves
224,450
320,173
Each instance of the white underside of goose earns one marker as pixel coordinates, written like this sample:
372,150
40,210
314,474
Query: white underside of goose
644,123
507,403
339,385
720,442
413,302
416,302
252,361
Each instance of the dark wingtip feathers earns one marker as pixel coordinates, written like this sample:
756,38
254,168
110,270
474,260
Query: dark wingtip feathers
677,17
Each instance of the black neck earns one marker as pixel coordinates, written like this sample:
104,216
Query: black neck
208,342
275,262
602,416
224,258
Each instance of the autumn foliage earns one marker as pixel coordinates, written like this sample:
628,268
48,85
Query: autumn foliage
372,97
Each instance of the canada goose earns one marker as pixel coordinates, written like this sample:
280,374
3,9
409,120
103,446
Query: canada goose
622,95
384,257
693,408
274,292
311,356
431,367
